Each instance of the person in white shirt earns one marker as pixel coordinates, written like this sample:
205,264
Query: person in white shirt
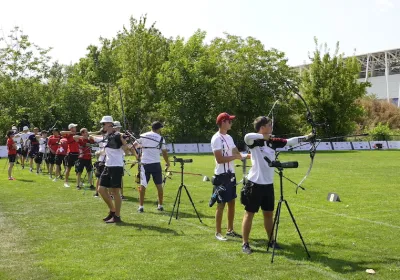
259,189
225,152
42,149
24,147
111,177
151,144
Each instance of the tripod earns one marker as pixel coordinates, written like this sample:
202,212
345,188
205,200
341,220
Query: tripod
277,217
178,197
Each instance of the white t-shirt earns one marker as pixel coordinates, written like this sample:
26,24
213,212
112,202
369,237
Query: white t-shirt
260,172
42,145
114,157
150,144
223,142
25,136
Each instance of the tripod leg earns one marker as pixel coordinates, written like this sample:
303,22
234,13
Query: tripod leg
179,201
297,228
276,223
190,198
173,208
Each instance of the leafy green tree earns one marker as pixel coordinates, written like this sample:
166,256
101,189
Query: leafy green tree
331,89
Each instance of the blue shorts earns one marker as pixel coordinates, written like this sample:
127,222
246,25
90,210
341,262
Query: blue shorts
228,181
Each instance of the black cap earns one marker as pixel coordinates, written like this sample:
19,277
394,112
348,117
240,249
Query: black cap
156,125
55,129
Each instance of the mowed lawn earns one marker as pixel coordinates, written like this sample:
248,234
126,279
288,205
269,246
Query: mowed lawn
51,232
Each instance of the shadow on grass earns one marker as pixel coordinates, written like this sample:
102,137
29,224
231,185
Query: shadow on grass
189,215
146,227
24,180
296,252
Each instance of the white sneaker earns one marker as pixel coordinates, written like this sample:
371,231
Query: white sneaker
55,180
66,185
220,237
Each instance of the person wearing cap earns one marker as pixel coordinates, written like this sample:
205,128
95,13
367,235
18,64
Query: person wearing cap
12,153
151,143
85,158
118,126
73,150
24,147
111,177
225,152
52,144
33,140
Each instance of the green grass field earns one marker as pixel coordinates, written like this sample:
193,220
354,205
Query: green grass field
51,232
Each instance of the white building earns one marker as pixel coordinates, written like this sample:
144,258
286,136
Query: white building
383,70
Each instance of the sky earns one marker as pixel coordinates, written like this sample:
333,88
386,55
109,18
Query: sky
69,27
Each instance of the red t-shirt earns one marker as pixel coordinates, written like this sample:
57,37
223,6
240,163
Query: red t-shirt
63,147
53,143
85,152
10,146
73,146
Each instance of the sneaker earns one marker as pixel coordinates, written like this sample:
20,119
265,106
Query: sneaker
66,185
246,249
110,215
10,178
50,177
140,210
37,173
55,180
92,187
160,208
23,166
233,234
96,195
78,188
219,237
30,169
114,219
123,198
274,244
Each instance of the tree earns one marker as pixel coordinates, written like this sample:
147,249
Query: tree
330,87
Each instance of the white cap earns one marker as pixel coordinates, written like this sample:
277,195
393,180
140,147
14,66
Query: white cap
107,119
14,128
117,124
25,128
71,125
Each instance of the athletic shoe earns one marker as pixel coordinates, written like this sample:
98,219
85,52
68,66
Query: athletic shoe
114,219
50,177
140,210
92,187
22,166
66,185
78,188
246,249
219,237
160,208
10,178
233,234
96,195
37,173
123,198
30,169
110,215
274,244
55,180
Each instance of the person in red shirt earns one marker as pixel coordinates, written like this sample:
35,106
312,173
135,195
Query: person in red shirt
85,158
60,156
73,150
12,153
53,143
